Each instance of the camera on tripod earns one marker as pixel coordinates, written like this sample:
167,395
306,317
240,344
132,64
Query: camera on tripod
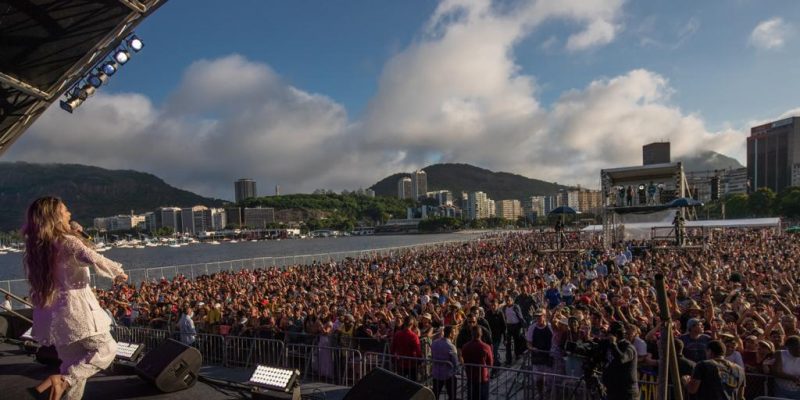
593,354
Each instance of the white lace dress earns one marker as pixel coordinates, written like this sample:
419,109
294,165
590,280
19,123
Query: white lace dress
75,313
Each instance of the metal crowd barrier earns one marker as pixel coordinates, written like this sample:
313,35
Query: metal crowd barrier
248,352
334,365
417,369
345,366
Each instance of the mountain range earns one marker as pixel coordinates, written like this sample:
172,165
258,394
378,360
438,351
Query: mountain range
97,192
88,191
503,185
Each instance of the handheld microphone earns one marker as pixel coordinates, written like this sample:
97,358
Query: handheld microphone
77,228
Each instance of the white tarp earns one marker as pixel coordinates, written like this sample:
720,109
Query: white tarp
642,230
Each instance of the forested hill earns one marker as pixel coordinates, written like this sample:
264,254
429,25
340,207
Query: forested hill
88,191
468,178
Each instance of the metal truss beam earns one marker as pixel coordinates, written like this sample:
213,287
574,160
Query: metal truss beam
23,86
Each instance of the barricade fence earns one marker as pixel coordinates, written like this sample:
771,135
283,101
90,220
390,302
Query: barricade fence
20,287
331,362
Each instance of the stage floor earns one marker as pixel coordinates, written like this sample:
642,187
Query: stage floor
19,371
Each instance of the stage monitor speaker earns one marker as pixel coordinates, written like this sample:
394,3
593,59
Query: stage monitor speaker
382,384
171,366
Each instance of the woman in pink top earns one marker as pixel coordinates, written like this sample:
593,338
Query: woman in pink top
66,313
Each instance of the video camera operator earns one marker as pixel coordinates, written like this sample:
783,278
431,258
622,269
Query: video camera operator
620,374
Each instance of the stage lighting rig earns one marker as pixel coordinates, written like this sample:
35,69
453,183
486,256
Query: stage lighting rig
100,73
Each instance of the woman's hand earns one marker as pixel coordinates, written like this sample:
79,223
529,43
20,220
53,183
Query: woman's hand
121,277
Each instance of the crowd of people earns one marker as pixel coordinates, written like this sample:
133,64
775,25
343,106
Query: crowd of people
738,294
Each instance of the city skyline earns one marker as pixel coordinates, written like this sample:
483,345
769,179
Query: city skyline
549,90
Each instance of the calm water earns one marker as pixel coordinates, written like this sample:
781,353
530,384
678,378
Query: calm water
11,264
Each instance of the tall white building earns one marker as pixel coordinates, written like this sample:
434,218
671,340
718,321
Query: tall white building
419,184
509,209
477,206
404,188
218,219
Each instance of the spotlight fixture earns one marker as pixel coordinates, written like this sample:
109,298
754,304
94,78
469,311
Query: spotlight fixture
87,90
109,68
122,56
98,78
72,102
135,43
275,383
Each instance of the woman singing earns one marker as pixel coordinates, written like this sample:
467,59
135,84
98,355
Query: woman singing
66,313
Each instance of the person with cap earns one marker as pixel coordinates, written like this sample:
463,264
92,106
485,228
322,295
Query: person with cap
695,341
539,338
717,378
620,375
445,362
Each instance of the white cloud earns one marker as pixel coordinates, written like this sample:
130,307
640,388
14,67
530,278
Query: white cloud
456,94
599,32
770,34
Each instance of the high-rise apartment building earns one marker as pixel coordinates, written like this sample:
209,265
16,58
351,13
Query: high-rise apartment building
589,201
477,206
196,219
443,197
234,217
656,153
534,207
773,155
219,219
735,181
259,217
244,189
419,184
169,217
404,188
509,209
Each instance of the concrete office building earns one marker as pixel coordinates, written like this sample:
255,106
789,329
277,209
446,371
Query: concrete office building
259,217
773,155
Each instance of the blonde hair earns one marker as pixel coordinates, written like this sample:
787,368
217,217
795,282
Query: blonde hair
42,231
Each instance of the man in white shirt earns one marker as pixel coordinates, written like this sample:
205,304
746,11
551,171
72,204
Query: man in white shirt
186,327
6,304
